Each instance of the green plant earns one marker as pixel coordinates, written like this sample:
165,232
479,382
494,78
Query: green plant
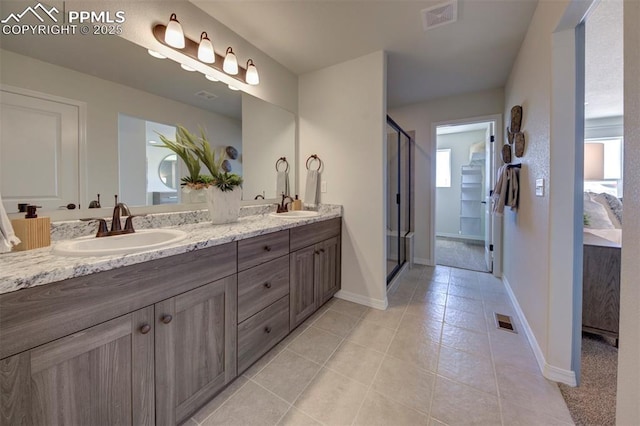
202,181
182,150
201,149
586,220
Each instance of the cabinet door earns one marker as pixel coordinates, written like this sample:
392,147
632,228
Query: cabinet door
327,271
99,376
302,289
196,335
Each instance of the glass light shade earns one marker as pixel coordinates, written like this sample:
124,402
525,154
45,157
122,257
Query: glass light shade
205,50
173,35
156,54
210,77
233,87
230,65
252,76
187,67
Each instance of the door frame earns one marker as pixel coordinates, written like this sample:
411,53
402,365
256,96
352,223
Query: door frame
496,223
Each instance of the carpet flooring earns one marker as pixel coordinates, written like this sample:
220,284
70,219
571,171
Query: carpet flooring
594,401
464,254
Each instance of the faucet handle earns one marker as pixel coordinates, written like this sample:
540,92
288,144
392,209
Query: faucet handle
102,225
128,224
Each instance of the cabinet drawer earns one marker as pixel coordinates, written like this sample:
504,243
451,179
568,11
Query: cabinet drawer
261,332
313,233
257,250
259,287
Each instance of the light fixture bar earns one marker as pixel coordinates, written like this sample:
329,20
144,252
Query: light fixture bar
191,50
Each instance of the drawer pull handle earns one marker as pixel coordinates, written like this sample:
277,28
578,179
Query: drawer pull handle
166,319
267,285
316,252
321,250
145,329
267,329
267,248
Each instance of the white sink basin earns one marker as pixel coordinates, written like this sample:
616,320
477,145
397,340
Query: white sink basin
296,214
145,239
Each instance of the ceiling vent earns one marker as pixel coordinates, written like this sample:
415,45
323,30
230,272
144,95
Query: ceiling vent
442,14
206,95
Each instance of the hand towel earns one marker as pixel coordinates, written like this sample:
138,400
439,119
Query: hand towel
7,237
311,190
506,191
282,184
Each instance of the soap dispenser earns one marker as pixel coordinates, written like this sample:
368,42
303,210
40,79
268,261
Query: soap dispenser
297,204
33,231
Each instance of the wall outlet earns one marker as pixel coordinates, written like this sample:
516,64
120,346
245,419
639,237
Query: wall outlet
323,186
539,187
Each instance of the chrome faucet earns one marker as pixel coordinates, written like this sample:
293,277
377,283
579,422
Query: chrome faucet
282,207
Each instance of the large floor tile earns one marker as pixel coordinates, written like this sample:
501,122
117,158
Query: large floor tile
315,344
251,405
220,399
356,362
264,361
404,383
378,410
418,351
468,320
332,398
422,326
372,336
425,309
514,415
462,291
470,369
426,295
465,304
336,323
510,349
295,417
389,318
466,340
458,404
287,375
438,273
348,308
531,391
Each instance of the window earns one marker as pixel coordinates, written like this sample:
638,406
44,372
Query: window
443,168
603,166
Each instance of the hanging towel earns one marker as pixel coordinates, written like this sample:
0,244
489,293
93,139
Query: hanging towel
311,190
282,184
507,189
7,238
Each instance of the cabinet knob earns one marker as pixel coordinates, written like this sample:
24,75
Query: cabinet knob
166,318
267,329
267,285
145,329
267,248
321,250
316,252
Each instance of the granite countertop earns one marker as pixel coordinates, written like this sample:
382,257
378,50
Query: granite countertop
20,270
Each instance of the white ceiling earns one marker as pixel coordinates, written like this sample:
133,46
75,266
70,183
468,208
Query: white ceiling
475,53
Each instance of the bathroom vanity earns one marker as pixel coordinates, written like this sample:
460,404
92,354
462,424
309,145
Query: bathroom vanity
152,342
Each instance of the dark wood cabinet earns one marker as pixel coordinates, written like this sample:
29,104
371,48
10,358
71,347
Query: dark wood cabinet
103,375
601,289
195,348
327,271
302,285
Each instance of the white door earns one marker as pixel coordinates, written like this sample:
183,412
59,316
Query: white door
488,186
39,147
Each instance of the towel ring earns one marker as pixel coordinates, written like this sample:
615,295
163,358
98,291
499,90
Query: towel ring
314,157
282,160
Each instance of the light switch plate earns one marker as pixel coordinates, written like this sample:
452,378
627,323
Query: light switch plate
323,186
539,187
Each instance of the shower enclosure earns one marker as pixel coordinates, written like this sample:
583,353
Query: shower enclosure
399,147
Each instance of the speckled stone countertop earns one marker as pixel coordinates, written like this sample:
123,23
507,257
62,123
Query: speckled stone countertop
19,270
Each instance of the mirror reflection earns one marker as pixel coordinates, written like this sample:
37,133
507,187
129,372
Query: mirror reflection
110,98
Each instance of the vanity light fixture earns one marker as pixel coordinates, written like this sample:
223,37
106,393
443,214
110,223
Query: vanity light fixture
156,54
230,65
252,76
205,49
174,36
203,52
187,67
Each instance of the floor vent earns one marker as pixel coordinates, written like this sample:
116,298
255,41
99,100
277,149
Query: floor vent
442,14
503,322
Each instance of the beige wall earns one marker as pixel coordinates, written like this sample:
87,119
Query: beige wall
628,409
342,120
420,117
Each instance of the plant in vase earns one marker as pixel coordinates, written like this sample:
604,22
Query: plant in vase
224,191
194,184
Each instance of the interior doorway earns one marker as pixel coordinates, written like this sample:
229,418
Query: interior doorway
465,174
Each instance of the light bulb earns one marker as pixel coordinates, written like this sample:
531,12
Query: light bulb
233,87
156,54
252,76
173,35
230,65
187,67
205,49
210,77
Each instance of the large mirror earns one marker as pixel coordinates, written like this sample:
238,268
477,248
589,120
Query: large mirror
99,102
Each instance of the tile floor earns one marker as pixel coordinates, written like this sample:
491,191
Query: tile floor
434,357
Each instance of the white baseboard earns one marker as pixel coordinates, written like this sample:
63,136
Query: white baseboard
363,300
423,261
551,372
394,282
